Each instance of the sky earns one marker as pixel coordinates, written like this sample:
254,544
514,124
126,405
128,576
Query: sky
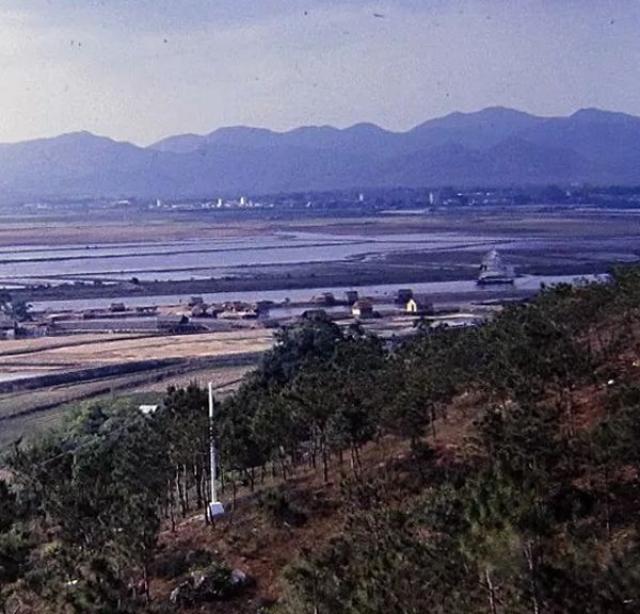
139,70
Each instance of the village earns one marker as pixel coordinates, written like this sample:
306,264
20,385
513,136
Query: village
196,316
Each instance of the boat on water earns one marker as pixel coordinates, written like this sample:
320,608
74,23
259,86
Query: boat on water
494,271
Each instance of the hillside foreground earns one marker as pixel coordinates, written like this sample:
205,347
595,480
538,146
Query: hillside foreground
482,470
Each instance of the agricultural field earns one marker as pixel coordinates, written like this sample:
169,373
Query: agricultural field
43,377
98,350
82,260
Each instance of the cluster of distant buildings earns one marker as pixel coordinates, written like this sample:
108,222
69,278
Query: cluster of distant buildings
413,305
197,315
378,199
220,203
364,307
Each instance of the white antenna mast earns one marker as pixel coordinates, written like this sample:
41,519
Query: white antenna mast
215,507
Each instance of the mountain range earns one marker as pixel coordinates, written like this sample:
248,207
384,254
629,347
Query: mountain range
493,147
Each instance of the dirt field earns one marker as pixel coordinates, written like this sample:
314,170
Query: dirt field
218,357
147,388
87,231
25,346
75,352
110,228
222,357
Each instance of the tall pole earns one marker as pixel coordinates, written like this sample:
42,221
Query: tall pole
212,446
215,507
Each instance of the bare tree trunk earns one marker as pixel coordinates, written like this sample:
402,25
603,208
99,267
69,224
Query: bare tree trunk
355,460
185,476
528,553
145,584
325,464
433,421
357,451
492,593
179,493
607,507
197,476
571,411
204,484
171,507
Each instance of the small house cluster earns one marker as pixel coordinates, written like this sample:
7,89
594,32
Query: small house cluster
327,299
244,311
362,308
419,306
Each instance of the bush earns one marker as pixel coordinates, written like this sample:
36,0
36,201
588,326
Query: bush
15,547
173,564
278,508
216,582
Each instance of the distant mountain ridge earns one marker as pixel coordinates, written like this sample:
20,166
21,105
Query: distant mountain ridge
492,147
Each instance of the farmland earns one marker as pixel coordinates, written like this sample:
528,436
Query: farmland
30,400
86,261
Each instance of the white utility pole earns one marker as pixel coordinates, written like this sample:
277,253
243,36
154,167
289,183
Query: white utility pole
215,507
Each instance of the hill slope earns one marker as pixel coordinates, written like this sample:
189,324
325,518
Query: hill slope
487,469
495,146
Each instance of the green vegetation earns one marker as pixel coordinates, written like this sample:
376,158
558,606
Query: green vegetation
14,309
535,510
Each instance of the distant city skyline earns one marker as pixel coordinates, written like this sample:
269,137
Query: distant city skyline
140,71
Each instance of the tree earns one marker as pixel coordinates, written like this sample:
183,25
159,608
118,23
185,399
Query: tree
379,564
183,422
100,492
310,339
16,310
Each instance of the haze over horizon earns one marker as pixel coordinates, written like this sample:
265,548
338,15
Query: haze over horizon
142,71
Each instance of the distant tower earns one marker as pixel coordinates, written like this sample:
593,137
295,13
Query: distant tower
432,198
219,203
361,197
243,201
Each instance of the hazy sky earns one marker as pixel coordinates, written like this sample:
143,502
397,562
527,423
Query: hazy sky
142,69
